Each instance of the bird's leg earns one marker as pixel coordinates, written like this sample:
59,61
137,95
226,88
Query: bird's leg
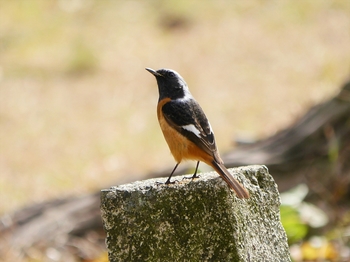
195,173
168,181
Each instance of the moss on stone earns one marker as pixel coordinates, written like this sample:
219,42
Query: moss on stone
200,220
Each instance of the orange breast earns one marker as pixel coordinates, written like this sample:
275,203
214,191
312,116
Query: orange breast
180,147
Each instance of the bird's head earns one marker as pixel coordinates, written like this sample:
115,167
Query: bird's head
170,83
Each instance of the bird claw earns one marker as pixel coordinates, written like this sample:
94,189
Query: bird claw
168,182
192,177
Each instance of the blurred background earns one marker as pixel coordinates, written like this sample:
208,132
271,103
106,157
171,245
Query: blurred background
77,108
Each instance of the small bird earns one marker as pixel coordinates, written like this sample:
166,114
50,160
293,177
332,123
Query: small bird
186,129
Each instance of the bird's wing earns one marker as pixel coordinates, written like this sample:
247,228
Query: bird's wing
189,119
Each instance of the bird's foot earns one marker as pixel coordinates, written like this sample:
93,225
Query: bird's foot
168,182
191,177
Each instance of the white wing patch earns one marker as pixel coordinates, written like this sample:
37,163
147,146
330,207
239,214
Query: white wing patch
192,129
211,130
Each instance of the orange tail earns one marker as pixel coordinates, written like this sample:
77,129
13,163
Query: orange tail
230,180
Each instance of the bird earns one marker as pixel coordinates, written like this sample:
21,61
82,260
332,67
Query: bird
186,128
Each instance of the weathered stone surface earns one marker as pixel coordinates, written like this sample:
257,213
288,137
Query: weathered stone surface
200,220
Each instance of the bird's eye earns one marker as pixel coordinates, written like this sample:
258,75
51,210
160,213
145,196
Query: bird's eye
171,74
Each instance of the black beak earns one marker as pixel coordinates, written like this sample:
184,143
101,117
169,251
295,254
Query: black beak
153,72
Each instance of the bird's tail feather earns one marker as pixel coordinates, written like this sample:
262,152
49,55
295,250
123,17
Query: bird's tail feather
230,180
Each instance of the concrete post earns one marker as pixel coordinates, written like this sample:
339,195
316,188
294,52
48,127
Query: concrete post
200,220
